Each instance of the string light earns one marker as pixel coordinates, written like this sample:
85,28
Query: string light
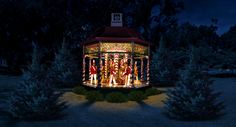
116,58
100,77
106,62
141,69
114,49
148,70
132,70
90,61
84,69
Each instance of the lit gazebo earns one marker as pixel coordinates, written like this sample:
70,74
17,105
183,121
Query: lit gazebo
116,56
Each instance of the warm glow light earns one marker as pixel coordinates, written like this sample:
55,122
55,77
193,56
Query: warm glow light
115,47
115,50
106,61
117,53
116,58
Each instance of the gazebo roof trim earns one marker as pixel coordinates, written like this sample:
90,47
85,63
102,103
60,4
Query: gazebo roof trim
120,34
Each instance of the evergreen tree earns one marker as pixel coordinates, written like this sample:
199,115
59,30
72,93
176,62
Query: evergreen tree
64,70
162,69
228,39
35,98
193,97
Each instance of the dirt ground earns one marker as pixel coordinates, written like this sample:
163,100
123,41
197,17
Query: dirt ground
131,114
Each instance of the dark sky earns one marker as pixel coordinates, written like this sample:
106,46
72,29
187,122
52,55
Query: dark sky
201,11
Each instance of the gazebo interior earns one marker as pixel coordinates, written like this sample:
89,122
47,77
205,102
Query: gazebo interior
116,57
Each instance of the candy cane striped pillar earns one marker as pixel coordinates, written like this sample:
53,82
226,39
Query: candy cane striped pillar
90,63
84,69
148,71
100,69
141,69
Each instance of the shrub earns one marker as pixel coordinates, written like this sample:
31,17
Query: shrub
35,98
137,96
94,96
116,97
152,91
193,98
80,90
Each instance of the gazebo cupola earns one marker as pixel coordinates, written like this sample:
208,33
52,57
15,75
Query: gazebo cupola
116,56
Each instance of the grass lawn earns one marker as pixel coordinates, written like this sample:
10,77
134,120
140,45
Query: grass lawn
148,113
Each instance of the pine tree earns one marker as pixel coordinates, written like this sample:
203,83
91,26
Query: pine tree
64,70
35,98
193,98
162,69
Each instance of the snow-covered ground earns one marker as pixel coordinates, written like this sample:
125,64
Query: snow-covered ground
131,114
221,71
7,84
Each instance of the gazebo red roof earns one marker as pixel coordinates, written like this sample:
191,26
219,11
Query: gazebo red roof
116,34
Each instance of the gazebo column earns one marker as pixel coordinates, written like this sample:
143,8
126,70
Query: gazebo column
141,69
90,63
148,75
148,65
99,66
100,69
132,65
106,65
84,64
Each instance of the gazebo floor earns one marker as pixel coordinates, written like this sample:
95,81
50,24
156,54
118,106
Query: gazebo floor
106,85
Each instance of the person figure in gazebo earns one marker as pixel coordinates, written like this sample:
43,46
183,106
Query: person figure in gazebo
112,74
93,70
127,74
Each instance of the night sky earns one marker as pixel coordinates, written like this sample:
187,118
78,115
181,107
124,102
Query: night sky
201,11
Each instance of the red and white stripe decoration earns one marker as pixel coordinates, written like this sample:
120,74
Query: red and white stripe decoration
132,69
83,69
90,63
141,70
100,76
148,75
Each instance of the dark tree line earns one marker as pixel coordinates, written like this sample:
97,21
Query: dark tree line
47,22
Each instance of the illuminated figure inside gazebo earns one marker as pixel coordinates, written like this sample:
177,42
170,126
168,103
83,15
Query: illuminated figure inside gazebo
116,56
